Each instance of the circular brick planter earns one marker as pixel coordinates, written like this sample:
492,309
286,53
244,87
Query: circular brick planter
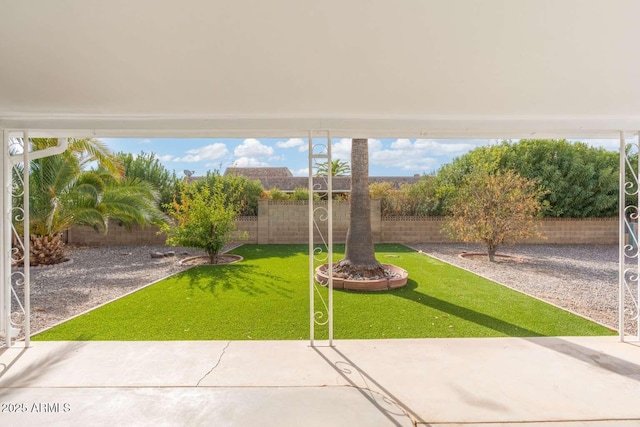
223,259
365,285
482,256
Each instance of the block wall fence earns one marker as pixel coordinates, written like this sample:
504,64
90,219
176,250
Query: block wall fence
280,221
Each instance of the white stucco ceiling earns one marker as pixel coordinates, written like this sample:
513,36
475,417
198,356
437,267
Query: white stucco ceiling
354,67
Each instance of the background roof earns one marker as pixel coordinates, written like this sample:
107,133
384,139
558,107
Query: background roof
371,68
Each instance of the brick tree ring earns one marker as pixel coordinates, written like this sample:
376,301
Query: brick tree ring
223,259
396,277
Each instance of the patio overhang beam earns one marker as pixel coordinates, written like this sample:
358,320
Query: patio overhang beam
171,126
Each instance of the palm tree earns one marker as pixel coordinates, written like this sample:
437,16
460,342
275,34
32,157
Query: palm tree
62,193
359,256
338,168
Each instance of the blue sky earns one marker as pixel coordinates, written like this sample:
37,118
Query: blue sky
387,157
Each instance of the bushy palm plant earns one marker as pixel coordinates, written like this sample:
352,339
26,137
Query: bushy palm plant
64,192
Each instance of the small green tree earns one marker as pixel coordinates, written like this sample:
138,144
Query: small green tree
205,218
494,209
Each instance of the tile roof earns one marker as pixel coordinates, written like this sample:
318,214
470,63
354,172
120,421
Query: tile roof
258,173
287,183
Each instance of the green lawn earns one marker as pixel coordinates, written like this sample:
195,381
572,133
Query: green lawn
266,296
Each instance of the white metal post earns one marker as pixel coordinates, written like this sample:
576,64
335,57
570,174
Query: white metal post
26,241
330,235
317,317
622,225
5,275
312,309
636,230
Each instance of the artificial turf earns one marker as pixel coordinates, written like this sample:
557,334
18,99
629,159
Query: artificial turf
266,297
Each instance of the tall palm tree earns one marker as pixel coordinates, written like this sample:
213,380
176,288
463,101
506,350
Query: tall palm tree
359,256
62,193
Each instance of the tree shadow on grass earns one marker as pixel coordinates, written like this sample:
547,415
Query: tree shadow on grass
509,329
593,357
248,279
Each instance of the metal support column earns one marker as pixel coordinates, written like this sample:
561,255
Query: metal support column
26,242
16,160
629,249
5,273
324,252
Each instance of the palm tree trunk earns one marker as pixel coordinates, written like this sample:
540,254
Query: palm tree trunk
359,252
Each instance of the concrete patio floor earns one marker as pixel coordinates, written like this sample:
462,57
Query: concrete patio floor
568,381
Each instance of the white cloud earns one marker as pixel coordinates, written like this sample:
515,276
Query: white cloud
208,152
342,149
249,162
404,160
607,144
290,143
145,141
301,172
419,155
434,147
166,158
251,147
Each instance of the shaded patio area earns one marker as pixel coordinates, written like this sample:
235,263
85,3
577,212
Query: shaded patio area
573,381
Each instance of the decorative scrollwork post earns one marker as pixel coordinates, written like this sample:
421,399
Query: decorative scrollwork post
5,262
323,252
629,256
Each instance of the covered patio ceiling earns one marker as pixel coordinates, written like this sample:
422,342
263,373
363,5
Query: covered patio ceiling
356,68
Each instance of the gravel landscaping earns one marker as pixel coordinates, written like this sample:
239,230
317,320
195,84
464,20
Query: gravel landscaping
95,275
579,278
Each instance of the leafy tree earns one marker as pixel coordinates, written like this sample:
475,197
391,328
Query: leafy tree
417,199
494,209
302,194
385,192
581,181
241,190
275,194
299,193
64,193
147,166
205,217
338,168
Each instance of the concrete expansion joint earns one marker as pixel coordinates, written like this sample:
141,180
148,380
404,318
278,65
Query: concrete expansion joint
214,366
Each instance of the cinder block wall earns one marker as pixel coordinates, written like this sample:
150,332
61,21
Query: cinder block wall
248,224
413,230
281,221
287,221
602,231
116,235
554,231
